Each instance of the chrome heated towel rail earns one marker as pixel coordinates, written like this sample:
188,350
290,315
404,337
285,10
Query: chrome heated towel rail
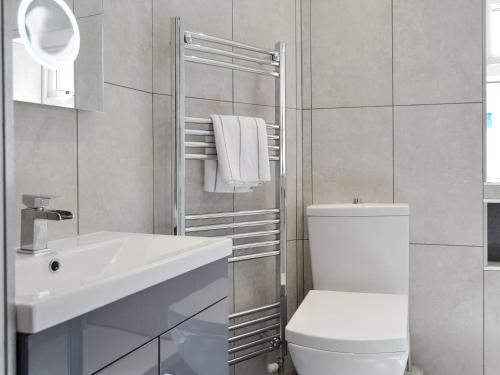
256,234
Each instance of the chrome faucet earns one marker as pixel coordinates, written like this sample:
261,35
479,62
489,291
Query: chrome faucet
34,223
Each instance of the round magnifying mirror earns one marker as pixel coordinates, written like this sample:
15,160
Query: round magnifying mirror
49,31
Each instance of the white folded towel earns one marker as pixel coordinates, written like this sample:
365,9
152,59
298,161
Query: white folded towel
242,155
214,183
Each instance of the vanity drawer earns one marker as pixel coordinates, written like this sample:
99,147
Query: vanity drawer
198,346
143,361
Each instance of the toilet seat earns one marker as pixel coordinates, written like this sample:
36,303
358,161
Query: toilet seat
345,322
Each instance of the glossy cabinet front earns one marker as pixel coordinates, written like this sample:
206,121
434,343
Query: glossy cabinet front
89,343
198,346
143,361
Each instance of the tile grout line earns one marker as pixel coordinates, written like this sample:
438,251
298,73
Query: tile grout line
152,112
213,100
444,245
392,107
310,126
77,112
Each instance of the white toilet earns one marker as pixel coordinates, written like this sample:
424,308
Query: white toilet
355,322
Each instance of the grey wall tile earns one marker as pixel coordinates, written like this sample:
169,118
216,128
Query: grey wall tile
116,163
298,52
230,274
446,309
164,149
351,53
89,67
308,280
437,51
346,160
438,171
307,180
299,154
209,17
46,161
306,53
128,43
291,278
491,322
291,173
84,8
300,271
264,23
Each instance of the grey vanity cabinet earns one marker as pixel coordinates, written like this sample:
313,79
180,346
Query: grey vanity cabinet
143,361
198,346
188,312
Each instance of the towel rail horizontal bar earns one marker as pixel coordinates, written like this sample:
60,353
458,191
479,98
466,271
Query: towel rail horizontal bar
206,133
256,245
254,234
253,333
234,55
219,215
265,340
254,310
223,64
242,224
253,321
251,355
201,120
210,133
214,157
193,144
242,258
227,42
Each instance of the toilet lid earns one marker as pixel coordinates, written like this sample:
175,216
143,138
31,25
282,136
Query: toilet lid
351,322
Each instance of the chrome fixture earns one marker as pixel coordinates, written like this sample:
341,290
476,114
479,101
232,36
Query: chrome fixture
259,233
34,223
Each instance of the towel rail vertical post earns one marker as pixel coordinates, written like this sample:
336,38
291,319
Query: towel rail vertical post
178,80
281,192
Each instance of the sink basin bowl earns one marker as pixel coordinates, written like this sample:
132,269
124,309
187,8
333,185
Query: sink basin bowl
86,272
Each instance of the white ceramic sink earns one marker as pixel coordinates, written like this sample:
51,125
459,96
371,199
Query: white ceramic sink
100,268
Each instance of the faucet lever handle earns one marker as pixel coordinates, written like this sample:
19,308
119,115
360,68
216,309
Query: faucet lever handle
37,200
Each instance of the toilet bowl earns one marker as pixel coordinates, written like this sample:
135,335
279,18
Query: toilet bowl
355,321
341,333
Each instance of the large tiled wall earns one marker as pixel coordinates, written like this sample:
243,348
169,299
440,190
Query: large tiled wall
392,99
114,169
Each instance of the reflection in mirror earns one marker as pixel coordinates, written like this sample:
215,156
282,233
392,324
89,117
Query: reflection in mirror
493,91
57,59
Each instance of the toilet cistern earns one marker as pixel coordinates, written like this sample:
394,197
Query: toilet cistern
34,223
